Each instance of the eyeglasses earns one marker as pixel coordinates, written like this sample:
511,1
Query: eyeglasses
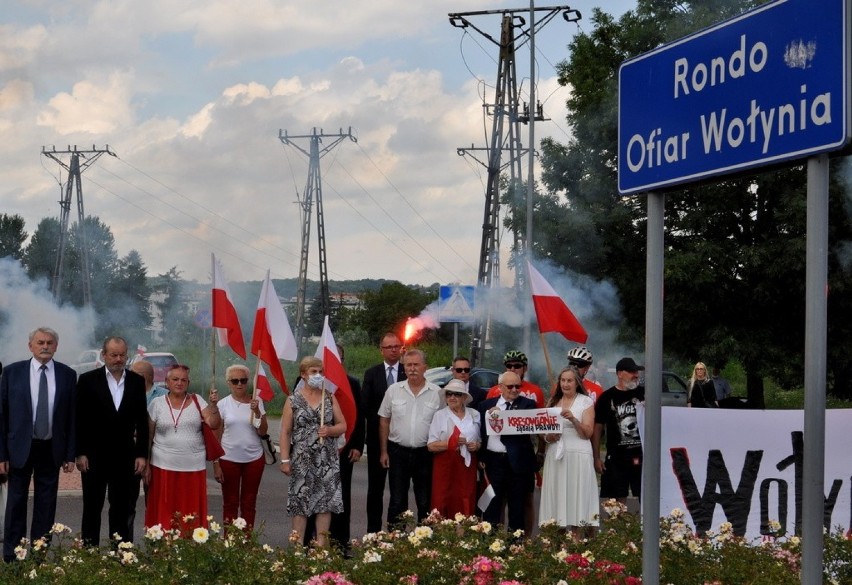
236,381
514,366
512,386
462,370
392,347
451,394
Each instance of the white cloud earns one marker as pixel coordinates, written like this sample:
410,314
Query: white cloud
91,107
191,96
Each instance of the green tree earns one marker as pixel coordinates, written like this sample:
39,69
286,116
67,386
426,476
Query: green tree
132,297
734,271
40,254
388,308
12,236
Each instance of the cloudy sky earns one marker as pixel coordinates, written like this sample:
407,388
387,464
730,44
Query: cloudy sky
191,96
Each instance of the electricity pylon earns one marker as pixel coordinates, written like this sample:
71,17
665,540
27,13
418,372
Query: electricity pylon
313,190
506,117
75,169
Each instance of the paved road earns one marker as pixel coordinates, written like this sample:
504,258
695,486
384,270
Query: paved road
272,519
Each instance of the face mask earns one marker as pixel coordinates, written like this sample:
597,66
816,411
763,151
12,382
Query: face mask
316,380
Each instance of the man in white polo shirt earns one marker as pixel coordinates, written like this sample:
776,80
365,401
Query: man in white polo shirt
404,418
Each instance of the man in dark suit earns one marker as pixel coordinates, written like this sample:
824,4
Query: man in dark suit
376,382
510,461
37,436
112,440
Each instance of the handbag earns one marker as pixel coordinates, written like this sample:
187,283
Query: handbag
269,452
212,447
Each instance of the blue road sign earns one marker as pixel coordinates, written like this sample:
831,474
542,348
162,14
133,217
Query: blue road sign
203,319
455,304
769,86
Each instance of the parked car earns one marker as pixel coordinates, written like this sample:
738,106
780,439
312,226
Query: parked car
673,392
479,377
161,361
88,360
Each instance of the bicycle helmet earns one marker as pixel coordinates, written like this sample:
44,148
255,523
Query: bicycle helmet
580,356
515,356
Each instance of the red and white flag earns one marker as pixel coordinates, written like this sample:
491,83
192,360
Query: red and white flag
262,385
272,339
225,318
486,493
336,380
551,311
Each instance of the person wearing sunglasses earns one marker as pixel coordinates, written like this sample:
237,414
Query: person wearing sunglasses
461,371
240,469
510,461
516,361
454,442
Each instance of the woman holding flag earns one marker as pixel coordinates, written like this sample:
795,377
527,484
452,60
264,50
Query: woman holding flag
240,469
454,439
310,424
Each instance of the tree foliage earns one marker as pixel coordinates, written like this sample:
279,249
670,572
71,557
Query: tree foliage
735,249
12,236
387,308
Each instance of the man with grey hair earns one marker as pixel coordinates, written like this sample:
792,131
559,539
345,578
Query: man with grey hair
37,436
404,418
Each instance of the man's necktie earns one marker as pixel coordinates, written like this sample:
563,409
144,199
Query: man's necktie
42,419
390,376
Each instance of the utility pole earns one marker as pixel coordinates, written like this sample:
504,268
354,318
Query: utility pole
75,169
506,117
313,190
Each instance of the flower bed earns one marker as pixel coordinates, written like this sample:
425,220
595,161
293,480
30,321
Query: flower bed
457,551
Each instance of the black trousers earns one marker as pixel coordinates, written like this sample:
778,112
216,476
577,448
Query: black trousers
409,466
117,479
376,481
41,469
340,523
511,488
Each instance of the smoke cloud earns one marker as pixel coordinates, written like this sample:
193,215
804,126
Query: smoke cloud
25,305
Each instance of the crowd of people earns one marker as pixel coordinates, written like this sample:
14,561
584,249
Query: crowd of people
419,438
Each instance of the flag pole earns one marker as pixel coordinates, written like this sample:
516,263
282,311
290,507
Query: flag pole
254,384
322,408
546,360
212,329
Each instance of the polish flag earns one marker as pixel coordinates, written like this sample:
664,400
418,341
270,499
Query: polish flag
263,389
486,493
453,441
337,381
272,339
225,318
552,312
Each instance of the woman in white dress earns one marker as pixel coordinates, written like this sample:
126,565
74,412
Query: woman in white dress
569,493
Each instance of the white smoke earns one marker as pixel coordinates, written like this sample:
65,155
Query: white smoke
25,305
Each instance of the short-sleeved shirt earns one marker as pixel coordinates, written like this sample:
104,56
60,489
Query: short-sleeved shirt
239,439
410,415
528,390
616,410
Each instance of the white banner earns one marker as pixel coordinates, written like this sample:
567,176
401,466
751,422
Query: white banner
745,467
534,421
